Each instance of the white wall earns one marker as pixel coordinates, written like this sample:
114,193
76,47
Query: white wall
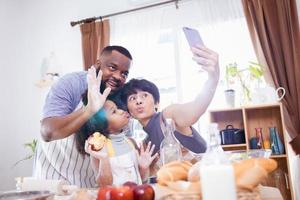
30,31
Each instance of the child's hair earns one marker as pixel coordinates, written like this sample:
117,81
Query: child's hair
134,85
97,123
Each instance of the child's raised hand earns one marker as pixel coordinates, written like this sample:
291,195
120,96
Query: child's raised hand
95,98
145,156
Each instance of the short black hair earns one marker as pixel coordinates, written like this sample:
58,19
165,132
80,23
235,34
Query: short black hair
120,49
134,85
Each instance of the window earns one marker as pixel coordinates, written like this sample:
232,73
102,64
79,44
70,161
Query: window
161,53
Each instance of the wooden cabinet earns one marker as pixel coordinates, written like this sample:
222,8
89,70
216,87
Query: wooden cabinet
249,118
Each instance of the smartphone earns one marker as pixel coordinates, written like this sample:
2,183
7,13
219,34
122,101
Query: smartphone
193,37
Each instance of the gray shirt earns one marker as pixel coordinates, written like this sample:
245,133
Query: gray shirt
65,94
194,143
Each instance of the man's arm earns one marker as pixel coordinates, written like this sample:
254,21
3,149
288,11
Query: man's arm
58,127
54,128
187,114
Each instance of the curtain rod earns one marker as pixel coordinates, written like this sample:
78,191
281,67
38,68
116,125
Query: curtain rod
91,19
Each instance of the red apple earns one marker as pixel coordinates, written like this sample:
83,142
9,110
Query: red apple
121,193
104,193
130,184
143,192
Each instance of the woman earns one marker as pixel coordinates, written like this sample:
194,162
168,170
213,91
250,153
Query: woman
142,99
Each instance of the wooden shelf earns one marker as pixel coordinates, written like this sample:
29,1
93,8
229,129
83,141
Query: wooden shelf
279,156
256,116
234,145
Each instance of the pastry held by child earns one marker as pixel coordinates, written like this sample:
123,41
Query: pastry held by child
97,141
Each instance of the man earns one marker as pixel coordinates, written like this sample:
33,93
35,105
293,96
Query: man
63,115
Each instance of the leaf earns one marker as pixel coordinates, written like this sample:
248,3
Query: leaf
255,72
31,145
231,71
23,159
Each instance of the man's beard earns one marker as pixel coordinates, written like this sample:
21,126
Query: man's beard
102,87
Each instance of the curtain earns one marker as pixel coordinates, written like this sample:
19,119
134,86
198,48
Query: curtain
94,37
274,30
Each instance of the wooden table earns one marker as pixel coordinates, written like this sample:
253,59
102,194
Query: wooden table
266,193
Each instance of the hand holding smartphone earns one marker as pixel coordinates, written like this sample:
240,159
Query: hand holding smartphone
193,37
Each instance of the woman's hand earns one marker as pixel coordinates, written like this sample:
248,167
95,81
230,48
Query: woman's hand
145,156
208,59
95,98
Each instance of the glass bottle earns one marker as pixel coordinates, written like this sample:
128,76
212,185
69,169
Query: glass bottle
214,152
260,139
170,148
276,143
215,167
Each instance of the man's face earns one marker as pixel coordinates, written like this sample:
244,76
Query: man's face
115,67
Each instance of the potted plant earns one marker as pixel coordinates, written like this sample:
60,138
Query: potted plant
244,76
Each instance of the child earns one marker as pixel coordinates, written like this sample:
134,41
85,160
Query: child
118,161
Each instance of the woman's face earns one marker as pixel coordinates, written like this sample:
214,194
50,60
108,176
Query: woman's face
117,118
141,106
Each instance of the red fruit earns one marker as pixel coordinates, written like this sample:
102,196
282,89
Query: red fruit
104,193
121,193
130,184
143,192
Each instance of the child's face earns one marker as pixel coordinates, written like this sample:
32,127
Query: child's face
141,105
117,118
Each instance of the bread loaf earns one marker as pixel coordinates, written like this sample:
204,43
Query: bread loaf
173,171
97,141
249,173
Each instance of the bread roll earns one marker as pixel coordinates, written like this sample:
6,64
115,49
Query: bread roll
251,178
97,141
194,172
244,165
173,171
249,173
184,186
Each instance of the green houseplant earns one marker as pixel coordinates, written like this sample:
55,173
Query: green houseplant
244,76
32,147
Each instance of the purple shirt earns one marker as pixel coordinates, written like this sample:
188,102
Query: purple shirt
194,143
65,94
